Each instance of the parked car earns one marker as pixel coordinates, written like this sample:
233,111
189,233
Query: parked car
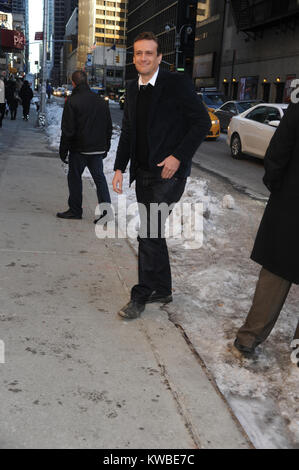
250,132
68,90
213,99
100,91
120,92
215,128
233,108
59,91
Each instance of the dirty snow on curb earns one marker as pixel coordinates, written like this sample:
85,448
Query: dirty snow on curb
213,289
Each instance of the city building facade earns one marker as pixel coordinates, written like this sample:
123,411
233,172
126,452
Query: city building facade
260,49
102,41
18,59
18,6
62,12
208,43
173,22
247,49
70,49
13,37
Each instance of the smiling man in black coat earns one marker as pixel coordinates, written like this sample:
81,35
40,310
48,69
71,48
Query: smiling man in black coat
86,130
276,244
163,125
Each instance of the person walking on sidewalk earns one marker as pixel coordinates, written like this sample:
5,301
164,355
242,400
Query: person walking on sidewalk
163,125
2,100
26,95
86,135
49,90
12,98
276,246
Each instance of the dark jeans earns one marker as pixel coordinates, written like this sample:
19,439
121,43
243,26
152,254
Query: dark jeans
154,272
270,295
13,111
2,112
26,108
77,164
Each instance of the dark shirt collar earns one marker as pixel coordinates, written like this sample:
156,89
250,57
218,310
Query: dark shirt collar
81,87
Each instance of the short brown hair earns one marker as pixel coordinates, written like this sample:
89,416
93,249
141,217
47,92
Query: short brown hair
149,36
79,76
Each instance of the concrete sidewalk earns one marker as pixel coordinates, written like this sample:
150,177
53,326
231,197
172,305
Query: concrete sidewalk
75,375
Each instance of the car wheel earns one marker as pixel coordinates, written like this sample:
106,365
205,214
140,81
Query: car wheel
236,146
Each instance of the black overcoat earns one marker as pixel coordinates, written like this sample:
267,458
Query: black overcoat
178,123
276,246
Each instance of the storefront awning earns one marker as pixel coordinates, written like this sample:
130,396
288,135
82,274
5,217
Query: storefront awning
11,40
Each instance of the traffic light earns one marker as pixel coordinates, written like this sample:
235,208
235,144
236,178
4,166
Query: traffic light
117,59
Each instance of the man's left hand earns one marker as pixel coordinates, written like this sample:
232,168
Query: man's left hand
64,158
170,167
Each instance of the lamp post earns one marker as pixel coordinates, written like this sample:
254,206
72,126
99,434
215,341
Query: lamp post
178,39
42,111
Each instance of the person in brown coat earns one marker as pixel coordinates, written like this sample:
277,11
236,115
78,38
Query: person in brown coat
276,246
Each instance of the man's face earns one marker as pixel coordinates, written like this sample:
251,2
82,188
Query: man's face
145,58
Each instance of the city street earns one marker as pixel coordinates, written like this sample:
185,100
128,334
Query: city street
149,279
62,287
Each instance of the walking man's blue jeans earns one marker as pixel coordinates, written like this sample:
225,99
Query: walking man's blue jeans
77,163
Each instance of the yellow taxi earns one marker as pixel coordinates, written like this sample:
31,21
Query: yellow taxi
215,129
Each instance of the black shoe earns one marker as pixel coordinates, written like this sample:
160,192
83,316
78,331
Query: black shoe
68,215
246,350
133,309
156,297
295,352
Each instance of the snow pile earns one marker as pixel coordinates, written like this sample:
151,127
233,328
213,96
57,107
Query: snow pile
54,115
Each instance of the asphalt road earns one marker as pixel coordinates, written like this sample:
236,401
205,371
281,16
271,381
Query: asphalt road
214,156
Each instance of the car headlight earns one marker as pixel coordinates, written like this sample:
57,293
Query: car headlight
106,98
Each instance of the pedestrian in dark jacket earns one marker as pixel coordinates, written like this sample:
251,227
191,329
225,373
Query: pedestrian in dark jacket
164,123
12,98
276,246
26,95
85,140
2,100
49,90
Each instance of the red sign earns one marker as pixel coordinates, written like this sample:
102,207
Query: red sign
39,36
11,40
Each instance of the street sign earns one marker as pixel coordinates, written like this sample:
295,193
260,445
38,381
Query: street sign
11,40
39,36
